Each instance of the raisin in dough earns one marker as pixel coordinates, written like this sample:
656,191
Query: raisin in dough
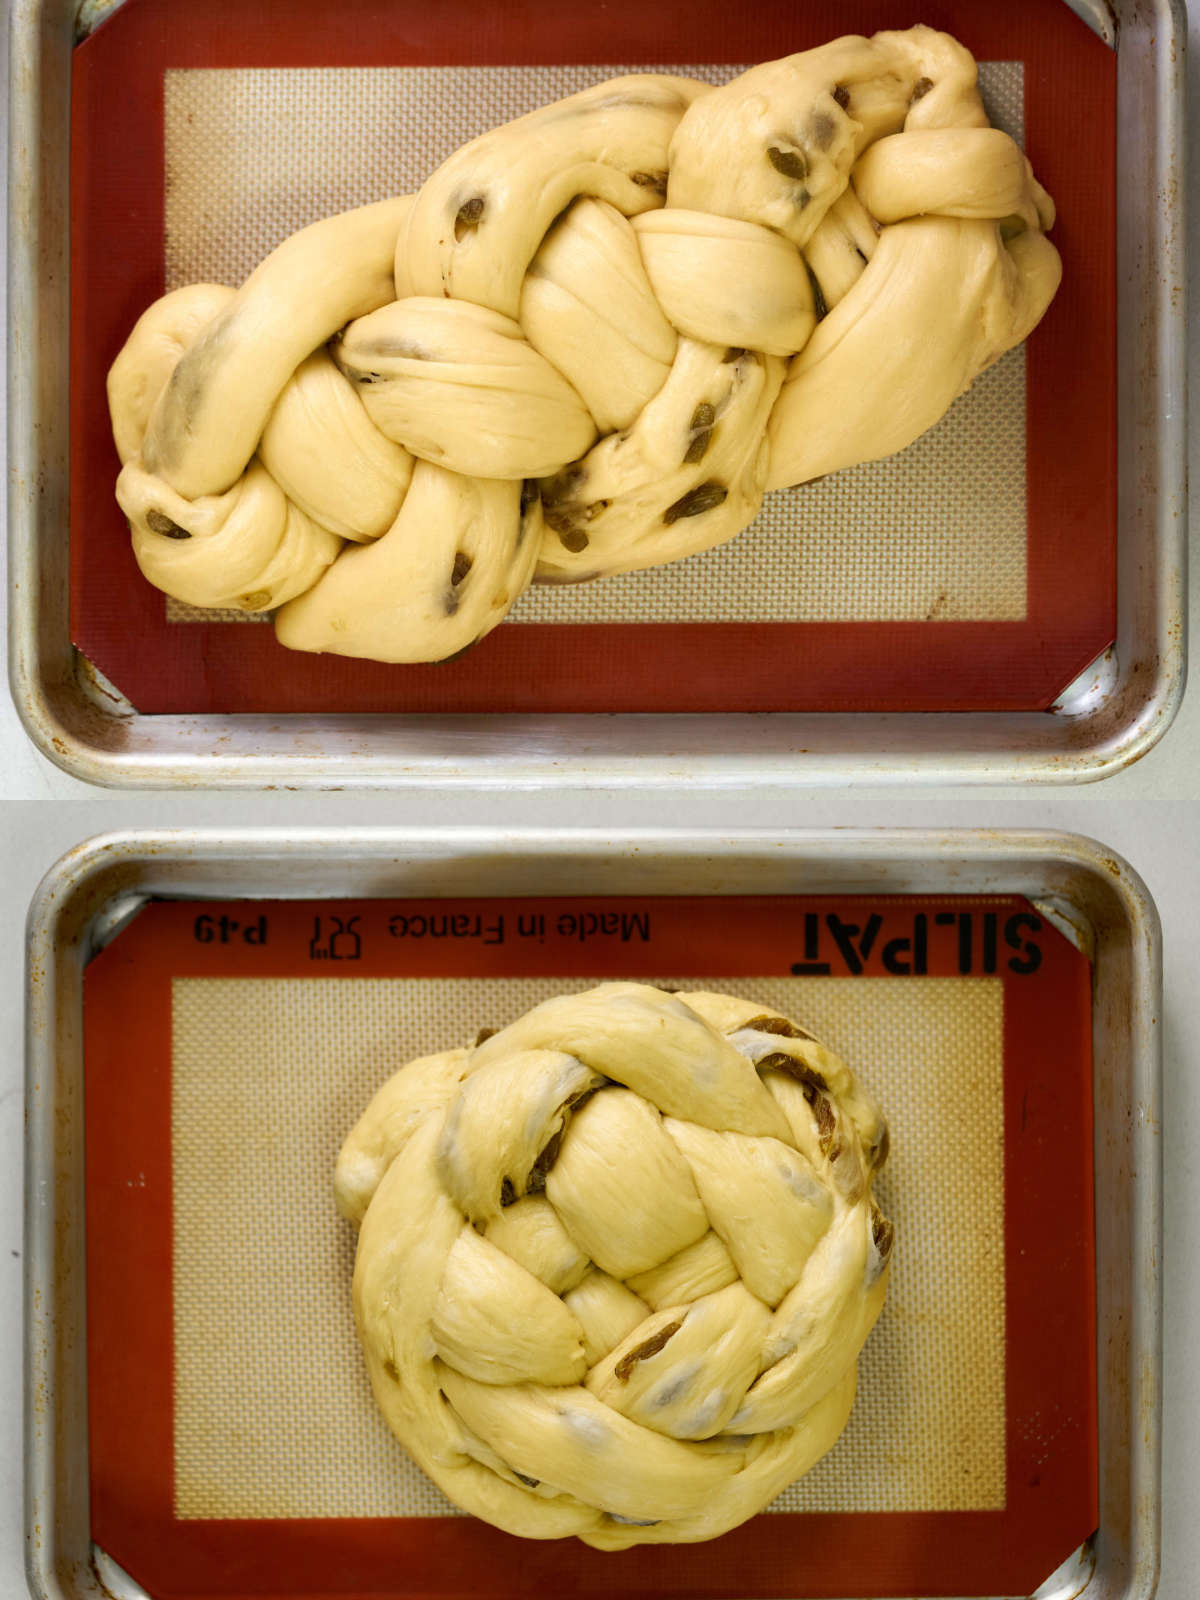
603,331
616,1262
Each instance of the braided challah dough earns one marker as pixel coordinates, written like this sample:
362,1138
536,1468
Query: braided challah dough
602,332
616,1262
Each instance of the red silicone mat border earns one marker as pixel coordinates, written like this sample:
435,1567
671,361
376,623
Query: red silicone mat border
1051,1419
117,221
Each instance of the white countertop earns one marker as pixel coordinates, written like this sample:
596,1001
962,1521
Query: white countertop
1149,814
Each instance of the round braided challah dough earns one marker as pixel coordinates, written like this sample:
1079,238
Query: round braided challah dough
616,1262
603,331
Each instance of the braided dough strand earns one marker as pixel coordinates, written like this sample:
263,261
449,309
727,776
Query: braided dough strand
443,575
617,1261
479,221
647,304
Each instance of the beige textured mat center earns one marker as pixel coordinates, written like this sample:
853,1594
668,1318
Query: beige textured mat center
273,1413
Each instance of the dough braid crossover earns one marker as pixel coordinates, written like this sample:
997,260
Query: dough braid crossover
587,345
616,1262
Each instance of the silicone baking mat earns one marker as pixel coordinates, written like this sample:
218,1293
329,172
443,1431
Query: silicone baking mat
234,1443
976,570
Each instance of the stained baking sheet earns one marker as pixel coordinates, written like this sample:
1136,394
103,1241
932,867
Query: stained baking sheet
229,1046
976,572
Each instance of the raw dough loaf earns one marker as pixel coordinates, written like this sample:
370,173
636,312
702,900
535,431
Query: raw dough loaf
616,1262
602,331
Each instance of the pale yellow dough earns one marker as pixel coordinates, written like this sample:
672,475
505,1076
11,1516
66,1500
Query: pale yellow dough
616,1262
647,304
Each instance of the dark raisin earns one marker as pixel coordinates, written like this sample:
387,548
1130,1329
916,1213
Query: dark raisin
508,1195
779,1026
842,95
530,495
530,1483
159,522
462,565
581,1097
695,503
882,1232
878,1153
642,1352
777,1061
704,415
822,130
484,1034
572,538
826,1122
812,1082
562,488
545,1160
470,215
697,446
650,180
791,163
923,86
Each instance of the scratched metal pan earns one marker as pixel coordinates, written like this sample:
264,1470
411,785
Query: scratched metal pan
1079,886
1107,718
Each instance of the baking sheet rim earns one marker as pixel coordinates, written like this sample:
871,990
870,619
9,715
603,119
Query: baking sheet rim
91,891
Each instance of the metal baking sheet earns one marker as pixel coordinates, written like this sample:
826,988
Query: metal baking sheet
1076,889
1107,717
963,554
